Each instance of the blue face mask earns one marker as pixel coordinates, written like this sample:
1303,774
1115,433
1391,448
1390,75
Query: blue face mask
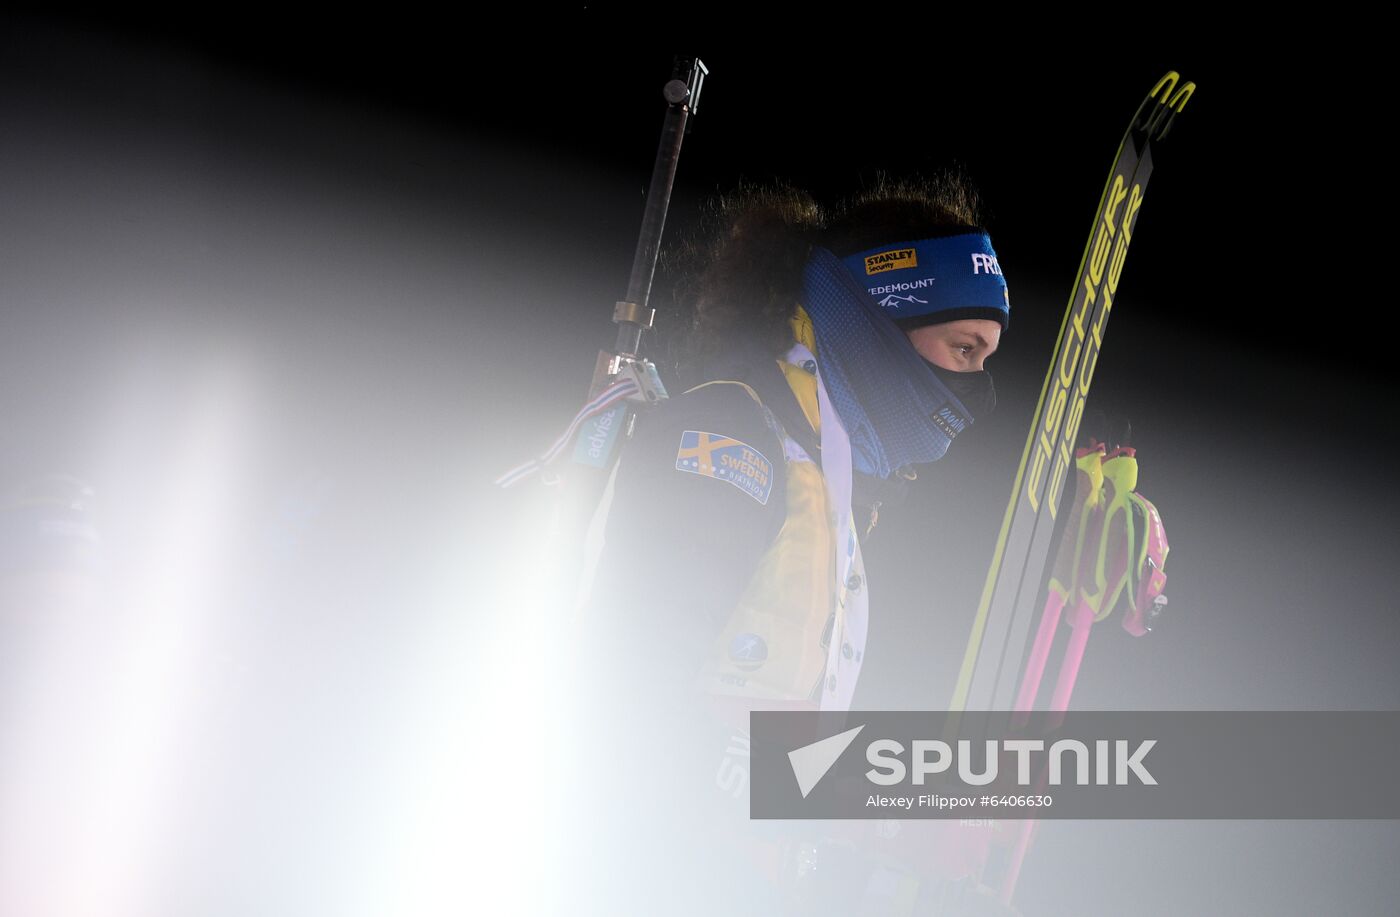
974,389
895,407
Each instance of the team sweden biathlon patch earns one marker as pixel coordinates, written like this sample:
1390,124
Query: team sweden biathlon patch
726,459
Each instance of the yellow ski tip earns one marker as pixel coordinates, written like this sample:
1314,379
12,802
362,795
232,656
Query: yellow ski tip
1172,77
1178,101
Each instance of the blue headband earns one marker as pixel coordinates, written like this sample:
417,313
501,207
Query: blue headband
935,280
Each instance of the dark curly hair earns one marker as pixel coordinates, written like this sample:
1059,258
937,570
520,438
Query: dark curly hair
739,275
905,209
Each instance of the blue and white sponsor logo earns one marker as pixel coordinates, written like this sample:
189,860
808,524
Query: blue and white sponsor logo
726,459
894,301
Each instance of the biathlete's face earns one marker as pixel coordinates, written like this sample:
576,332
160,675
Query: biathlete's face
961,346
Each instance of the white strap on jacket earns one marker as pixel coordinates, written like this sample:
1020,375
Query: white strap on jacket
849,630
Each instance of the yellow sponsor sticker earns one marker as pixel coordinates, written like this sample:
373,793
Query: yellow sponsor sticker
893,260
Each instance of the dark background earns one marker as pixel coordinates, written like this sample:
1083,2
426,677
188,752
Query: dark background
418,236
